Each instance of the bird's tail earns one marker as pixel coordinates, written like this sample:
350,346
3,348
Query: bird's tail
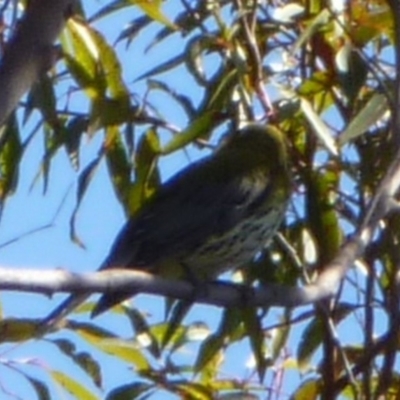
57,315
109,300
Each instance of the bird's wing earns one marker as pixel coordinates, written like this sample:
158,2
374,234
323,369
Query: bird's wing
202,202
179,220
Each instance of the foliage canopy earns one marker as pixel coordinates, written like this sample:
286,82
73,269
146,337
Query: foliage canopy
326,76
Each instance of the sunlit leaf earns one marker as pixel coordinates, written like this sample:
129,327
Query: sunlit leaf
326,233
309,390
96,68
321,20
368,116
83,58
72,386
147,176
143,332
320,128
17,330
280,336
153,9
107,342
199,127
288,12
124,351
213,348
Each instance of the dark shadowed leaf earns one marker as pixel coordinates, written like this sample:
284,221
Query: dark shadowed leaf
132,391
83,359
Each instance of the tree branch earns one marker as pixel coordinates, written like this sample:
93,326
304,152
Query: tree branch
217,293
220,293
30,50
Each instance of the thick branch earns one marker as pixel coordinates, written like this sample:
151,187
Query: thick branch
29,52
218,293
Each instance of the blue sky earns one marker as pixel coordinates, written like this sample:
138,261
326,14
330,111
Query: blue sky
100,218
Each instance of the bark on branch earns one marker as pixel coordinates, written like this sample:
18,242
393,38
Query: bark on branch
30,51
217,293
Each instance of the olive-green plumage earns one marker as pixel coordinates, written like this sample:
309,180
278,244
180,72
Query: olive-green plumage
211,217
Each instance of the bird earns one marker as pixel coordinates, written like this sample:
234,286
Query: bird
211,217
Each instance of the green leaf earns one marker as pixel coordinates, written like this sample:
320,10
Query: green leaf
280,337
184,101
314,333
311,339
309,390
322,215
212,349
10,157
84,180
125,350
82,57
211,353
17,330
134,28
194,51
199,127
42,391
76,127
83,359
320,128
178,312
43,97
72,386
147,176
164,67
143,333
194,390
368,116
320,21
130,391
119,165
95,66
256,336
107,342
352,71
153,10
319,81
177,340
